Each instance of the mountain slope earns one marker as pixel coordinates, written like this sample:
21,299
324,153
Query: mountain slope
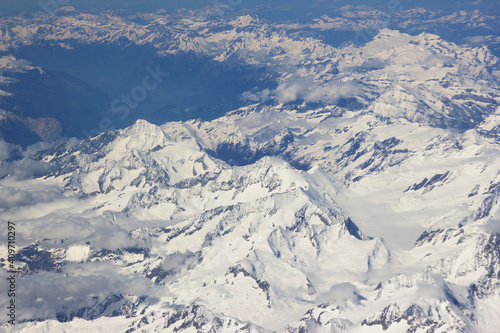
231,61
359,192
183,227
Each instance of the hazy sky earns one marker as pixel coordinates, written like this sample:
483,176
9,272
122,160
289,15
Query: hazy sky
294,7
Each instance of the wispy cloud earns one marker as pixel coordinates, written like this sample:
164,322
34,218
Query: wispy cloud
7,149
23,168
305,90
12,197
341,294
17,163
492,226
45,294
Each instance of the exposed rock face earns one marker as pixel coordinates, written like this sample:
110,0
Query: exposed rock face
360,193
48,129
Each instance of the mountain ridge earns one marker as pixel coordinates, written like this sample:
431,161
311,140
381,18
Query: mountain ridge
356,191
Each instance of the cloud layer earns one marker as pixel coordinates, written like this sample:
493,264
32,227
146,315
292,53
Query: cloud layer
305,90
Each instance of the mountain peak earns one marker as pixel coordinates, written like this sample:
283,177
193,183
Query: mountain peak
144,135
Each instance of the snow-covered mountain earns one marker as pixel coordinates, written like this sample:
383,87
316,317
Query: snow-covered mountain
159,224
358,192
271,62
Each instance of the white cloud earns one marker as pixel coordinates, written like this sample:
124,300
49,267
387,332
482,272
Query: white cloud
12,197
175,261
42,145
7,149
77,253
17,163
341,294
305,90
256,96
100,233
43,295
434,60
23,168
290,91
11,64
492,226
331,92
351,7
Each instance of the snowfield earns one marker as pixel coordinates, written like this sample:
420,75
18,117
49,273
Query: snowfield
360,193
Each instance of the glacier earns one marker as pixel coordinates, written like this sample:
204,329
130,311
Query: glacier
358,193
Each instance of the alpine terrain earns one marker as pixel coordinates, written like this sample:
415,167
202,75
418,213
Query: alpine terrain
343,184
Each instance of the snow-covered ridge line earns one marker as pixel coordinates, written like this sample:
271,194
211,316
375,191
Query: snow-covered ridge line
433,82
369,207
236,231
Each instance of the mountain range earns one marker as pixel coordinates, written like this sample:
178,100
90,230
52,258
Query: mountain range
342,187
